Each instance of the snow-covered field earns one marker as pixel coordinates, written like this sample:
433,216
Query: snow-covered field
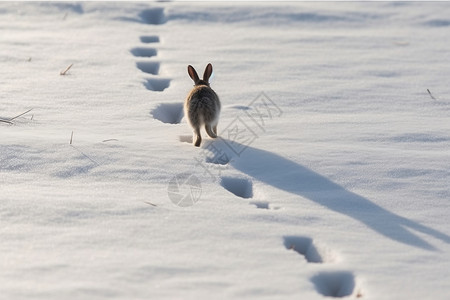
330,177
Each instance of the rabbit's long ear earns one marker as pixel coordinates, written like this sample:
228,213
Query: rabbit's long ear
208,72
193,73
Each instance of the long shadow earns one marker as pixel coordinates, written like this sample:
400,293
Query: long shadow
289,176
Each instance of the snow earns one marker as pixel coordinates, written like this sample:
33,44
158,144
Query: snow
330,177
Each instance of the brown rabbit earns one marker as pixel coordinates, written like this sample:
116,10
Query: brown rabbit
202,105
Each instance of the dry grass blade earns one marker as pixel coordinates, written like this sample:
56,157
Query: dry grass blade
431,95
13,118
66,70
6,121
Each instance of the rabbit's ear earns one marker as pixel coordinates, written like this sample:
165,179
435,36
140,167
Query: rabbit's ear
193,73
208,72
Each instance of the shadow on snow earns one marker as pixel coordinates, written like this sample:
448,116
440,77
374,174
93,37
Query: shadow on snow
291,177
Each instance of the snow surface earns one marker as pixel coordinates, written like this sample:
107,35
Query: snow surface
330,178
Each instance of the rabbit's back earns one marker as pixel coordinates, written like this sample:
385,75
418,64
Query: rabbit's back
202,106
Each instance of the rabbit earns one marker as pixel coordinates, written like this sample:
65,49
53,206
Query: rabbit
202,105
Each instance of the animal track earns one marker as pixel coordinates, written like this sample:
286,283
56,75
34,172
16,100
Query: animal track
303,246
150,67
153,16
241,187
171,113
144,52
157,84
334,284
147,39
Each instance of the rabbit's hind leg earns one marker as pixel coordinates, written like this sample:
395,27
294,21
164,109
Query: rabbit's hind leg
198,137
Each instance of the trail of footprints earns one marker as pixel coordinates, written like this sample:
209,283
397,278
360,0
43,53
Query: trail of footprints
169,113
328,283
152,16
335,284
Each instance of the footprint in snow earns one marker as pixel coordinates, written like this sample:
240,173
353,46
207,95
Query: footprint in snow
148,39
335,284
306,247
149,67
241,187
143,52
153,16
170,113
157,84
